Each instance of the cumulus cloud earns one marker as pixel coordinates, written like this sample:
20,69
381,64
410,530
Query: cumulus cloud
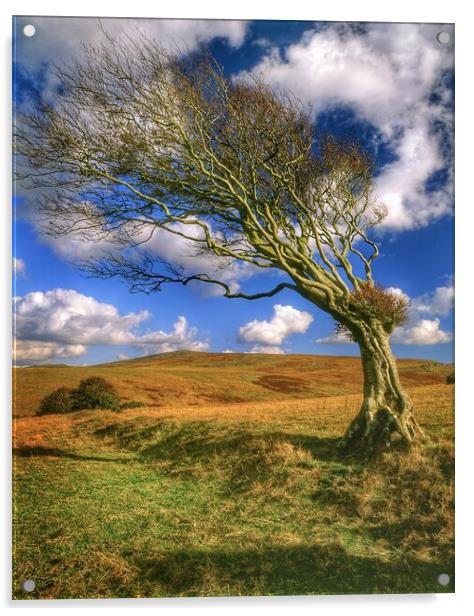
18,266
440,302
181,337
36,351
63,322
66,316
399,292
393,76
286,320
423,332
262,348
267,350
334,338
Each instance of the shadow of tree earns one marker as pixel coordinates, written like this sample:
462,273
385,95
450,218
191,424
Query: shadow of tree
244,456
199,443
288,570
243,452
129,434
26,452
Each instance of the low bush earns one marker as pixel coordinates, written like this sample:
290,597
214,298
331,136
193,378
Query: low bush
59,401
450,378
94,392
132,404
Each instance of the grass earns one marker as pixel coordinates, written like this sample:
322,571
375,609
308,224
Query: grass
193,498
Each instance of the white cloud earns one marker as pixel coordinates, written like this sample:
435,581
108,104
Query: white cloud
27,351
181,337
399,292
388,76
422,332
261,348
286,320
267,350
62,37
66,316
172,248
184,253
334,338
74,248
18,267
440,302
64,321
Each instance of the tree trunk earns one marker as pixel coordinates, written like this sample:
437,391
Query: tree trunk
386,410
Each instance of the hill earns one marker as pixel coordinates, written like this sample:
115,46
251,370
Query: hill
228,481
186,379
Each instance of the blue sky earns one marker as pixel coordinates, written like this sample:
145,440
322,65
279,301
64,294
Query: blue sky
389,85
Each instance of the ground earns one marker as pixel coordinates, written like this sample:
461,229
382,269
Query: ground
227,482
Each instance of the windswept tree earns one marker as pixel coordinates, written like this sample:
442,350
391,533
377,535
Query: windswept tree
142,139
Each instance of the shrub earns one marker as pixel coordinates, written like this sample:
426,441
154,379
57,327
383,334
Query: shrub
450,378
132,404
95,392
59,401
384,304
372,300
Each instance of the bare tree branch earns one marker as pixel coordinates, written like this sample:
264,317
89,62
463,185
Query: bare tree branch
143,139
141,276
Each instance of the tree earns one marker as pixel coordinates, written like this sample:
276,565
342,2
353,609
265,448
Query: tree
142,139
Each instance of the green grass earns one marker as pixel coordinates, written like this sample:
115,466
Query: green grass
168,508
227,480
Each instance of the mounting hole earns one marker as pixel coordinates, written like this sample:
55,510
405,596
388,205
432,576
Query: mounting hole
443,37
443,579
29,585
29,30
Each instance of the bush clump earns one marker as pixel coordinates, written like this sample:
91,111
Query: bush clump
373,301
133,404
450,378
94,392
59,401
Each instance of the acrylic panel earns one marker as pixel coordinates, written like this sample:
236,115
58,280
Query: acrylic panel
233,308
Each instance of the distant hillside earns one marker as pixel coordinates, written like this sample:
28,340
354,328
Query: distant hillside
186,378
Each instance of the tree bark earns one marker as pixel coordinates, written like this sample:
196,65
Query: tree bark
386,409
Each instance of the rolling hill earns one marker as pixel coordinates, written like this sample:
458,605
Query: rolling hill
186,378
228,481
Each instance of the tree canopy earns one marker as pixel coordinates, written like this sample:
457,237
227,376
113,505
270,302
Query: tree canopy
142,139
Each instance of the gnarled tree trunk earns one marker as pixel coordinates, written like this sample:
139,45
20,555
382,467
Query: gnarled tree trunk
386,409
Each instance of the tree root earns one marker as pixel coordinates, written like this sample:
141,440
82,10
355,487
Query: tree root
373,432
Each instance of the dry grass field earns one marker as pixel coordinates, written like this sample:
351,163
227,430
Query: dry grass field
227,482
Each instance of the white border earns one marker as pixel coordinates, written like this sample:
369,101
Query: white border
343,10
